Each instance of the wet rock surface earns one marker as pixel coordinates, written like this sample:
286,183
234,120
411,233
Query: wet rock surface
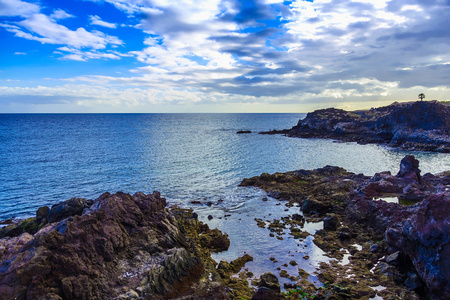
377,247
421,125
121,247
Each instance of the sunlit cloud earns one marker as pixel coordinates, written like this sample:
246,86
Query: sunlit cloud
264,51
95,20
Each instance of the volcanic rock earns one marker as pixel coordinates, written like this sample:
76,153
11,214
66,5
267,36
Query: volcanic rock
120,245
421,125
425,238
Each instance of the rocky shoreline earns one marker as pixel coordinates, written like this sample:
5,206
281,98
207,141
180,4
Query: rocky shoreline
392,251
119,246
123,246
421,126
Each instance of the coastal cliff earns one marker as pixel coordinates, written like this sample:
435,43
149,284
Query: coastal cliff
421,125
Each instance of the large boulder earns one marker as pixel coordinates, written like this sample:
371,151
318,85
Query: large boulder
425,238
120,245
409,169
270,281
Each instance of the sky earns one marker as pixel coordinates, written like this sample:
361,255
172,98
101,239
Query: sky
152,56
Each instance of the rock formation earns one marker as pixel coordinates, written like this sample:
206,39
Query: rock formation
118,246
413,252
416,126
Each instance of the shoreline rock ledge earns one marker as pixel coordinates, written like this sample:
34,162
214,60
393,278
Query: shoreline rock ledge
119,246
420,125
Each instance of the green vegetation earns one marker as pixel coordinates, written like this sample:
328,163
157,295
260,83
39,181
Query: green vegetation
297,293
421,96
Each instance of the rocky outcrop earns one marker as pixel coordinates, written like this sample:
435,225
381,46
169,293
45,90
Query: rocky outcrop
425,238
421,231
412,253
418,125
408,185
121,246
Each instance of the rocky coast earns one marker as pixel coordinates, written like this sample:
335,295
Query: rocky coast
123,246
119,246
420,125
380,247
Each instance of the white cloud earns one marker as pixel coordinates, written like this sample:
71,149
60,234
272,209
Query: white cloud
95,20
47,31
326,51
9,8
60,14
71,53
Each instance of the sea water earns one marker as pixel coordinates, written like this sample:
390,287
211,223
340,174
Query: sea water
49,158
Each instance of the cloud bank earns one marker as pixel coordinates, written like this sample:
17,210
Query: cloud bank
300,54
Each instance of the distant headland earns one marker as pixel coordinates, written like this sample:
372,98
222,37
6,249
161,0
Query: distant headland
419,125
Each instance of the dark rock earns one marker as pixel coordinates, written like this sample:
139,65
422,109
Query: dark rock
71,207
243,131
425,238
210,217
42,212
409,169
385,269
270,281
331,222
413,282
417,125
344,235
311,206
264,293
298,218
374,248
11,230
215,240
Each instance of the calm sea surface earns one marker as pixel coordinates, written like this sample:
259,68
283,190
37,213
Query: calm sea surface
49,158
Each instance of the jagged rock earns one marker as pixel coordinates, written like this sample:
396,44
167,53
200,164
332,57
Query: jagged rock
409,169
420,232
417,125
312,205
42,212
331,222
215,240
71,207
270,281
425,238
264,293
120,241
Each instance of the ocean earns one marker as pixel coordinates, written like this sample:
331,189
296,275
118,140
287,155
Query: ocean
49,158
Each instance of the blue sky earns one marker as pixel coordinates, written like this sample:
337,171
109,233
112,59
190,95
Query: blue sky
220,56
